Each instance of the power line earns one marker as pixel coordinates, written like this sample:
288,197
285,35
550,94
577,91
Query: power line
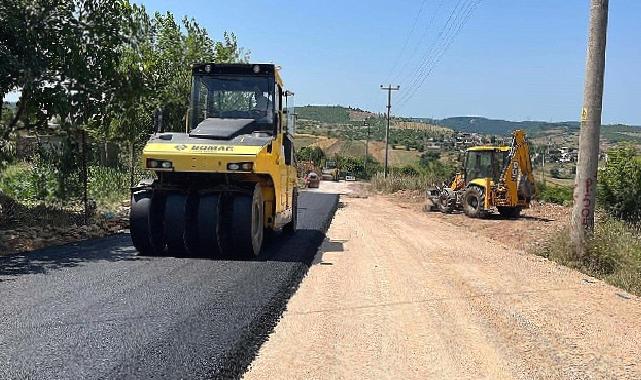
456,21
427,69
446,26
407,39
428,27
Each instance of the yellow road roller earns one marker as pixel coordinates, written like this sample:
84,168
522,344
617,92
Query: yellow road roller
229,177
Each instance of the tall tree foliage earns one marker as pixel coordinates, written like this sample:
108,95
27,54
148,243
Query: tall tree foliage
62,56
155,72
619,185
102,65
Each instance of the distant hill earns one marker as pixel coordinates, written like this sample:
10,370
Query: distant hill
502,127
324,114
332,114
343,115
613,133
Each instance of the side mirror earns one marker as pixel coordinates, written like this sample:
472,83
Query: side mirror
158,122
291,123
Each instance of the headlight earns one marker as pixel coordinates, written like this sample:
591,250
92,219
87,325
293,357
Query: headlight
159,164
241,166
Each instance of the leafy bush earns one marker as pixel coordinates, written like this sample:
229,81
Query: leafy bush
109,186
38,181
356,166
310,153
619,183
407,171
429,157
7,153
561,195
29,182
613,253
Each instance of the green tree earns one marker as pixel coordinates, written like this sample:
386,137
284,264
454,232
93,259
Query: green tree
311,153
619,184
61,56
428,157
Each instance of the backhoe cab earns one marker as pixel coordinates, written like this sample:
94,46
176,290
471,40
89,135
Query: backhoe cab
230,177
493,177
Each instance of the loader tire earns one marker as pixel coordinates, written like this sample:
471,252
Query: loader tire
145,222
290,227
473,199
207,220
510,212
247,224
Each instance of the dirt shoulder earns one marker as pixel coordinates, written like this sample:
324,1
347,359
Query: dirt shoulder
532,229
400,293
24,229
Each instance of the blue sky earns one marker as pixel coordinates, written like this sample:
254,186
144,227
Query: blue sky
513,59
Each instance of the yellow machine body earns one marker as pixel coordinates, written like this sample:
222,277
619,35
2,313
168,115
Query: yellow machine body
269,169
229,176
493,177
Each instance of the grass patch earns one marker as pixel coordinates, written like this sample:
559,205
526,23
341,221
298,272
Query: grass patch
32,185
395,182
561,195
613,253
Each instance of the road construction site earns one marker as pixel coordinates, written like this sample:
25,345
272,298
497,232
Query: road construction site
399,293
388,291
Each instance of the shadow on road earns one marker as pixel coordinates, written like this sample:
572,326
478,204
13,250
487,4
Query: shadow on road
109,249
315,216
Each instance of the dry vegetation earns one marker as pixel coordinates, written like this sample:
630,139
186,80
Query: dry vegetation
613,253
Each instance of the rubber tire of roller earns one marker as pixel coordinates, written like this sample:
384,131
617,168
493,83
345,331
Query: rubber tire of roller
179,217
290,227
145,222
247,224
208,220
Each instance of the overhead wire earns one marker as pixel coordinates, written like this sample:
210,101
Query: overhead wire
426,30
438,47
459,16
407,40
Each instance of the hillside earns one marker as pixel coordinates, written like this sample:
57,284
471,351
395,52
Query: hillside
562,132
502,127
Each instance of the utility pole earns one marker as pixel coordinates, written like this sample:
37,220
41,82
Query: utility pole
366,144
582,221
389,90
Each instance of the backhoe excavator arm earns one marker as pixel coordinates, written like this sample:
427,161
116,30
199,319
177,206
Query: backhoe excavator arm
519,166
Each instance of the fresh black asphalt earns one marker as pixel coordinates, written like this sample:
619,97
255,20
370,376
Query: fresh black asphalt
96,309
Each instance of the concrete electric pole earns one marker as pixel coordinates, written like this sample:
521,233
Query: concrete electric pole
366,146
389,90
586,169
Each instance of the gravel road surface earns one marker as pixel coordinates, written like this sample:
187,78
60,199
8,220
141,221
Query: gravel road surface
402,294
97,310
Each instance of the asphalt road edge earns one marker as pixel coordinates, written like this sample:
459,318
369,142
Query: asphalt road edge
237,360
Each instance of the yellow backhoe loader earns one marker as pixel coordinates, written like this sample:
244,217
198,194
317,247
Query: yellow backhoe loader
493,177
229,177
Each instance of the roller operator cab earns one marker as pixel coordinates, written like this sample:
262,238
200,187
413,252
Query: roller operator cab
226,180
